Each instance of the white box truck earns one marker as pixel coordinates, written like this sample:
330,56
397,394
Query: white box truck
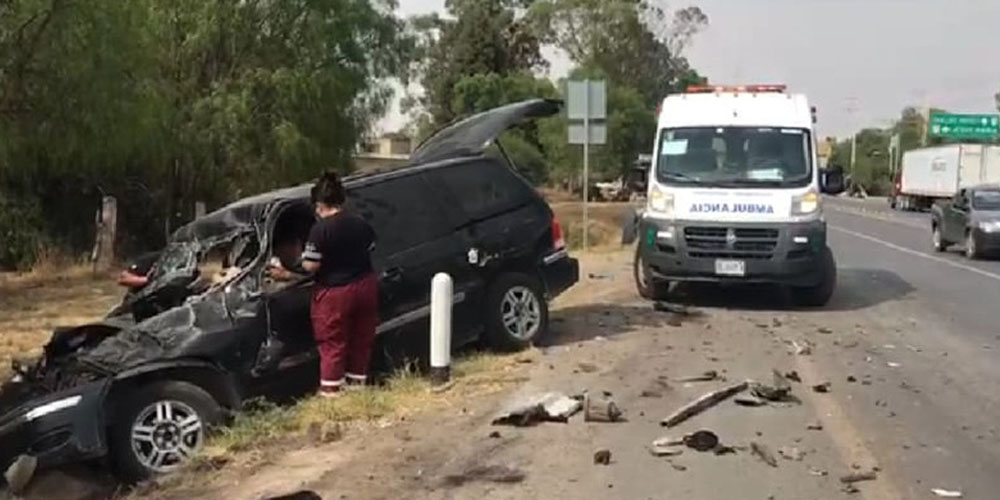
735,194
937,173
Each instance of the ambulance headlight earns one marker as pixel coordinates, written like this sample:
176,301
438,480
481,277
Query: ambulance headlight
806,204
660,202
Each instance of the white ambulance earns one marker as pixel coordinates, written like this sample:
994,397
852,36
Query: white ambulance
735,194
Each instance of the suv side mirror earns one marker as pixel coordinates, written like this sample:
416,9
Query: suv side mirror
832,181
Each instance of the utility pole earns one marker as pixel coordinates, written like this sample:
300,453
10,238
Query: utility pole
852,108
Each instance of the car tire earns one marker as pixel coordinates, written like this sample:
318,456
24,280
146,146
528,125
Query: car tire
517,313
972,251
819,294
159,427
940,245
647,287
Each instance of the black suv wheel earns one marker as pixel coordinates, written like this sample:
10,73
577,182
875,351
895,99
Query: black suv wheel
516,312
160,427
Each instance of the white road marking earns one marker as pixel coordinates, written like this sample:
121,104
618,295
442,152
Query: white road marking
915,253
877,215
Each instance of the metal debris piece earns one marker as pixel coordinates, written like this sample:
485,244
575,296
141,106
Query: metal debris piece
701,440
815,426
893,364
779,392
703,403
850,489
823,388
793,376
946,493
824,330
670,307
648,393
19,473
857,477
708,376
679,467
485,473
802,349
724,450
851,378
813,471
548,407
665,451
791,453
762,452
750,400
602,457
495,435
600,409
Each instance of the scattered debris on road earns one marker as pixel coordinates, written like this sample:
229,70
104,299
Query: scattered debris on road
548,407
704,377
851,379
946,493
678,467
702,441
780,392
602,457
850,489
678,309
495,435
485,473
857,477
587,367
802,348
793,376
815,426
749,400
665,451
762,452
813,471
600,409
703,403
791,453
824,330
822,388
893,364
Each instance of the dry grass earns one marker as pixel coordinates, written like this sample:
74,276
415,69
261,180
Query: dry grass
605,224
32,304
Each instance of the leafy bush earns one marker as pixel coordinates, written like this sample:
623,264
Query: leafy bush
20,230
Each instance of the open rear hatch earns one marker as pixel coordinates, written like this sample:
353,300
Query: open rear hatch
471,136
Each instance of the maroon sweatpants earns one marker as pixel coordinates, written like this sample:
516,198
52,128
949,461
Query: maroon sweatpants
344,320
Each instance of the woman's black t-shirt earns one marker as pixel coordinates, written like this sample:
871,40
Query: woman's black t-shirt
342,245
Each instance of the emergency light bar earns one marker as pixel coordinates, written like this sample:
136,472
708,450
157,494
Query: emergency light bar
717,89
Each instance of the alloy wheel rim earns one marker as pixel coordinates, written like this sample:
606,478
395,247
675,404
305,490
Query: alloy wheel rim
521,312
165,434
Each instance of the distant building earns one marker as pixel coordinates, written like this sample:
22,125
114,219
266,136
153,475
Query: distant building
386,152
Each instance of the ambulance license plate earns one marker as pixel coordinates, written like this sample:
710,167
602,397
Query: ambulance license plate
730,267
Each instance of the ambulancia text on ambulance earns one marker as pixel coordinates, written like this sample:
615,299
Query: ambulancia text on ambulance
735,194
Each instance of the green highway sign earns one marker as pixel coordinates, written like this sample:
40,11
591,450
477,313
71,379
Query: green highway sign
955,126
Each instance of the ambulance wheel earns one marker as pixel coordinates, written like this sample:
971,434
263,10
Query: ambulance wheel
819,295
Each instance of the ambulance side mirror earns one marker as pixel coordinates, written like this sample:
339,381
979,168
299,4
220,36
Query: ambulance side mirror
832,181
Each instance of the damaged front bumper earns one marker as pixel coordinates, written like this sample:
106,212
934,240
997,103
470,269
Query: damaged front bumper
58,428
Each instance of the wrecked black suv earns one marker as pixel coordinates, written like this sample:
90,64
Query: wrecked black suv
141,387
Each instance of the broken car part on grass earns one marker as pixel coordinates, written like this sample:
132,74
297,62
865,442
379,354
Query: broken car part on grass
211,330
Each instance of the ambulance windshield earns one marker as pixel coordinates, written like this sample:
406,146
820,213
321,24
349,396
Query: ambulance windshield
737,156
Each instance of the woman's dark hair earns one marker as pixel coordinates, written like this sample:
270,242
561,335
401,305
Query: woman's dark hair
329,190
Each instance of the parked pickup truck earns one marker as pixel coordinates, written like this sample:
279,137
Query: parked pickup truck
972,217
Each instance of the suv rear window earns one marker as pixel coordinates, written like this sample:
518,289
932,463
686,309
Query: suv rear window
403,211
483,188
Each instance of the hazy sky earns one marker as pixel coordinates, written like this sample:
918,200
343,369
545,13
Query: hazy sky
880,55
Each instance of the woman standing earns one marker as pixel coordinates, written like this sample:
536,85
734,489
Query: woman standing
344,308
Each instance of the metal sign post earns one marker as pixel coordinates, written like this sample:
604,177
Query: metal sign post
586,109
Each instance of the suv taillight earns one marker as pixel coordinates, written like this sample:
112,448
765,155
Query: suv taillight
558,242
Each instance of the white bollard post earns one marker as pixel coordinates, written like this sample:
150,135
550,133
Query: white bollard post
442,299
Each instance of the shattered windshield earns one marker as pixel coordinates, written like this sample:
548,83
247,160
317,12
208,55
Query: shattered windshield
740,156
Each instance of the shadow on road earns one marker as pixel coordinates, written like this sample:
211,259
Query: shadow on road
590,321
856,289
